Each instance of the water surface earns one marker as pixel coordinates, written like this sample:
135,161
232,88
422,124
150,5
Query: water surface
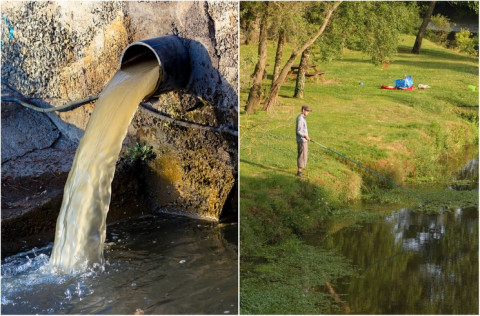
411,263
159,264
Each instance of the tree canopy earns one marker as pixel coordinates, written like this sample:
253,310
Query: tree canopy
373,27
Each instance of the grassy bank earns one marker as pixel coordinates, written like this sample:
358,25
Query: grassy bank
404,135
411,137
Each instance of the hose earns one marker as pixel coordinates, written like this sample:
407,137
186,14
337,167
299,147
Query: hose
75,104
64,108
369,170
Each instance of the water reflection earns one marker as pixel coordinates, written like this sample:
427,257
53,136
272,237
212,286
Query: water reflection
467,177
412,263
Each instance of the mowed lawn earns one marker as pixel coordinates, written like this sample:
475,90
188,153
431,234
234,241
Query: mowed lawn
405,135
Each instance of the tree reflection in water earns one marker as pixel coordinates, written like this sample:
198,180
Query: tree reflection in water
412,263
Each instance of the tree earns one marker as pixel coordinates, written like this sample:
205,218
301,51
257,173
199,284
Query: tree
249,20
302,69
423,28
255,95
282,38
289,20
273,94
277,18
373,27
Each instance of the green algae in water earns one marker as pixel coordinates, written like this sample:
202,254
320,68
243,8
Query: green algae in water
447,201
290,279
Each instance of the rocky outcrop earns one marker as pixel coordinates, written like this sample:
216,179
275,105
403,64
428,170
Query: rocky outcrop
57,52
20,130
66,51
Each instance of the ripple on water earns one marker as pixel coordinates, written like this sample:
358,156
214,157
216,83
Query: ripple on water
189,269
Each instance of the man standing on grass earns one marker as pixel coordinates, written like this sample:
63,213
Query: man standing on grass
302,139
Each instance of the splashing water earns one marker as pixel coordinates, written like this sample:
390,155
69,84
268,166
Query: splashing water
81,224
155,264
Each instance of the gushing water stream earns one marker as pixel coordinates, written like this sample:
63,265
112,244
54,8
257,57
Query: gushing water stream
81,224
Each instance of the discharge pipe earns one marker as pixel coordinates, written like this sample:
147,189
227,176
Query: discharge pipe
174,61
172,57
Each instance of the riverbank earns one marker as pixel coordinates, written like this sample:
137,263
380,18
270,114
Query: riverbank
416,138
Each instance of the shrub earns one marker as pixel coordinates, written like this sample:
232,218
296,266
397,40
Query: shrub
466,42
440,27
140,153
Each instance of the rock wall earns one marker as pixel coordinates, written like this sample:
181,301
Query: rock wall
58,52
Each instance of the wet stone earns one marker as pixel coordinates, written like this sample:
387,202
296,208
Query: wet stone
24,131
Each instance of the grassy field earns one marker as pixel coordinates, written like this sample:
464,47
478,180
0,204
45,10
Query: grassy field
412,137
401,134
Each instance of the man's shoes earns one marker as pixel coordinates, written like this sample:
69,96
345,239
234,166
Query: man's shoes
300,174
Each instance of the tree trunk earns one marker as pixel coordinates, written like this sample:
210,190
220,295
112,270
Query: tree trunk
255,95
273,94
423,28
278,57
300,85
250,34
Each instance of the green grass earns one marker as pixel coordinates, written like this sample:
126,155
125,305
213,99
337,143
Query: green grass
403,133
411,137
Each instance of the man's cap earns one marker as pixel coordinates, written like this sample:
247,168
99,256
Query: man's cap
306,108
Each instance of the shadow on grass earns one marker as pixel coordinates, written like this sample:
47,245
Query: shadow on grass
436,53
440,65
280,273
266,167
444,60
277,205
410,98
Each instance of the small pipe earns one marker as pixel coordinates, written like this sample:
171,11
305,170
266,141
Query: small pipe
172,56
164,117
75,104
64,108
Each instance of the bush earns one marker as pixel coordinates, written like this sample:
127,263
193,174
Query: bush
466,42
139,153
440,29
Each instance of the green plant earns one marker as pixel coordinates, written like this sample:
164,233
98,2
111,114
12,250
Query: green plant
441,28
140,153
466,42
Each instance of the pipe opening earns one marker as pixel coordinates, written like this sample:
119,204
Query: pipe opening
137,52
171,55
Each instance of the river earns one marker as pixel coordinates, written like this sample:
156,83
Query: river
411,263
422,260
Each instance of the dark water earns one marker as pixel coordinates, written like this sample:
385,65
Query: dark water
155,265
411,263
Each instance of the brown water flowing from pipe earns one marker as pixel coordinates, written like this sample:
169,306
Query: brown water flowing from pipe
81,225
